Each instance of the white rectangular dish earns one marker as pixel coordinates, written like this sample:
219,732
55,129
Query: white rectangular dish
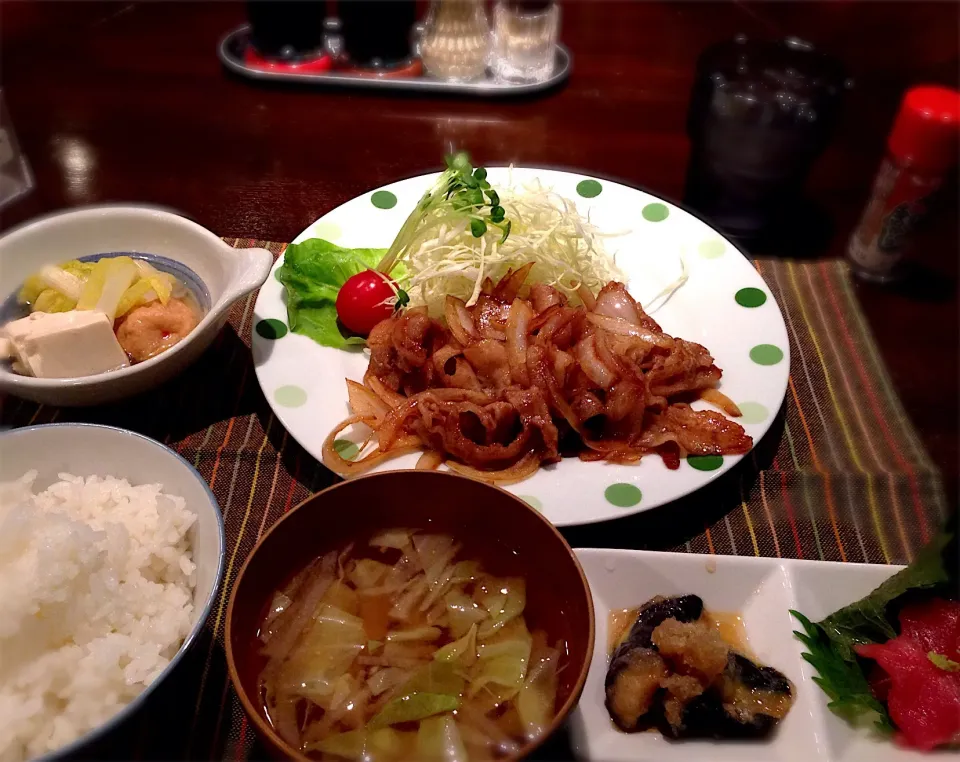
762,591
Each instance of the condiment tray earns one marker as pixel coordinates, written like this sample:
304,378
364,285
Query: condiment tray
231,54
762,591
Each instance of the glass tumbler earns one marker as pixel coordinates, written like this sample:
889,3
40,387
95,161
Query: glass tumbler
761,112
524,40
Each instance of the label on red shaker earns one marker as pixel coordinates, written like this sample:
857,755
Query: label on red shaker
898,202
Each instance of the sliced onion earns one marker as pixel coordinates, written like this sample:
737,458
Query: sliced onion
526,466
509,286
722,401
518,327
614,301
622,327
587,297
340,465
364,402
595,369
562,362
385,393
431,460
392,427
541,375
459,321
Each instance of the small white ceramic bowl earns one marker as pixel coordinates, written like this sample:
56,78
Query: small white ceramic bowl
227,274
84,450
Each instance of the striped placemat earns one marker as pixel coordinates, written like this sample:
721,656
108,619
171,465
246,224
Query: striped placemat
842,476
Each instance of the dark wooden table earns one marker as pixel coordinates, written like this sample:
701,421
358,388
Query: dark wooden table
127,102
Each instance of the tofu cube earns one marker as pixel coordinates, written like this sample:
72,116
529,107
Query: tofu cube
65,344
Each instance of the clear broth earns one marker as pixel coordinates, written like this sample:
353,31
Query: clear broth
374,613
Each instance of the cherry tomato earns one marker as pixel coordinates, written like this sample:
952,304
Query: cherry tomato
364,300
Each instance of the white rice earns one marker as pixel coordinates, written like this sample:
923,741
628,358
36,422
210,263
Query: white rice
96,596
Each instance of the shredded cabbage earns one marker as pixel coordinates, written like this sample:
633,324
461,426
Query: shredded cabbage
445,258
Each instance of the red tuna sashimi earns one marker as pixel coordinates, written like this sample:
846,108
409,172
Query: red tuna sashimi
924,699
934,626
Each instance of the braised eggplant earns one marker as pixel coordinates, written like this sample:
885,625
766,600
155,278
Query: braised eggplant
674,672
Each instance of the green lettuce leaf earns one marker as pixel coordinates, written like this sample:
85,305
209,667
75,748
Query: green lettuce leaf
312,274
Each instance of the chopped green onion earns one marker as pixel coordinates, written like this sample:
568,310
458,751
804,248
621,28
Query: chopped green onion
942,662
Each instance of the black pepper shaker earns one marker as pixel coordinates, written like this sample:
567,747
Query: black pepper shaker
760,114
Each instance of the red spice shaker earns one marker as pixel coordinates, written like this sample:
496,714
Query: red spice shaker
921,149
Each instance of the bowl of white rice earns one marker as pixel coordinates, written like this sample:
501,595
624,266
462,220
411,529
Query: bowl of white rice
111,556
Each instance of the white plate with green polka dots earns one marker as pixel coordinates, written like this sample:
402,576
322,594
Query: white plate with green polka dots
724,305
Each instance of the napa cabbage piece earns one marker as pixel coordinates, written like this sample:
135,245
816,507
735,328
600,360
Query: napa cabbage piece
438,740
161,283
324,653
138,294
112,285
106,284
51,300
54,289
